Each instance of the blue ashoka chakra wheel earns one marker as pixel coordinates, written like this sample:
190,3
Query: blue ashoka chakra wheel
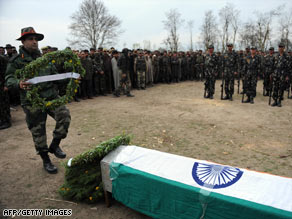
215,176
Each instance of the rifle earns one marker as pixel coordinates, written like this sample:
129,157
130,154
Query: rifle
205,90
243,90
222,86
270,94
238,83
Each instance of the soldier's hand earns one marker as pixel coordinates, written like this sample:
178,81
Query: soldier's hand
24,85
5,88
101,72
287,78
235,73
124,75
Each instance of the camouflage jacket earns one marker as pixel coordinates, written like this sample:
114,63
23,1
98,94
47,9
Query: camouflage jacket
48,90
269,63
230,62
211,63
282,65
252,65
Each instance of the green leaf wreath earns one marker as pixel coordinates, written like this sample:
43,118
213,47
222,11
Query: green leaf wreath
83,181
70,63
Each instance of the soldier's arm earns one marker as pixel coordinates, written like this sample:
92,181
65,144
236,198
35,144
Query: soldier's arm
10,79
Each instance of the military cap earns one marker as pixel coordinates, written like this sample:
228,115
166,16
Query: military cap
210,47
229,44
85,50
2,47
281,45
8,46
115,52
271,48
253,47
100,48
92,49
30,31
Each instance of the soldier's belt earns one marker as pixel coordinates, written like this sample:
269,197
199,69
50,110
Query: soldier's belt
55,77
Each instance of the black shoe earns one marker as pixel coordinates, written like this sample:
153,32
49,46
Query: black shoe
230,98
56,150
76,99
211,96
5,125
130,95
143,88
275,103
247,100
49,167
290,97
279,104
226,97
251,101
103,94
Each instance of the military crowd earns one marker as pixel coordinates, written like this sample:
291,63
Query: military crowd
113,72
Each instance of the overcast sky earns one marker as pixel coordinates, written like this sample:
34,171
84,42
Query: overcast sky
141,19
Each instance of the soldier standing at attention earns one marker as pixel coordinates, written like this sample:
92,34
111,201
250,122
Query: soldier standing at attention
251,70
4,97
140,70
199,66
269,62
124,67
230,69
211,67
280,75
36,118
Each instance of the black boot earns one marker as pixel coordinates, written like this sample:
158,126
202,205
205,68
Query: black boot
247,100
49,167
226,97
230,98
251,100
5,124
279,103
211,96
55,149
275,103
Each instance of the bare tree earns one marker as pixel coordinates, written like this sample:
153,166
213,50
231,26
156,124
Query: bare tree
171,24
190,27
229,17
93,26
285,25
264,26
209,29
248,34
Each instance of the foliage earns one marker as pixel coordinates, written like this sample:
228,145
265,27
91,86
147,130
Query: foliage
83,181
68,60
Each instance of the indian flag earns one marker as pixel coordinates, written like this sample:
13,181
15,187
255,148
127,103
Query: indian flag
164,185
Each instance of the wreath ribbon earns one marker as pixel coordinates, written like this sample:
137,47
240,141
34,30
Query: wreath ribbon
56,77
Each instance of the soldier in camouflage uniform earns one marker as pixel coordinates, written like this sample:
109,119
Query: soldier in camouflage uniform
280,75
124,66
164,68
4,98
140,70
230,69
199,66
269,61
251,71
155,63
99,78
211,67
36,118
175,67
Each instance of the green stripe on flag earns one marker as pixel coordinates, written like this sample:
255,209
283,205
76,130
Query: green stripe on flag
162,198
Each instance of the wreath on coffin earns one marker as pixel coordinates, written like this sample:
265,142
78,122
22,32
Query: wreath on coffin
65,58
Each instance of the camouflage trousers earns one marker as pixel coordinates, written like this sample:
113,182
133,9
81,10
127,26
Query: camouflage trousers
210,82
125,84
267,81
278,88
141,79
36,123
250,84
4,106
229,83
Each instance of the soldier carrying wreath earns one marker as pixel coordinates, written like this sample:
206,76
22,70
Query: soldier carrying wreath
36,117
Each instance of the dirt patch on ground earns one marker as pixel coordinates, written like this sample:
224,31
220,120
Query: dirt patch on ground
173,118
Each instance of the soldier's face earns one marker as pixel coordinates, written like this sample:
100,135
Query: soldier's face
31,43
281,49
271,52
253,51
230,48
